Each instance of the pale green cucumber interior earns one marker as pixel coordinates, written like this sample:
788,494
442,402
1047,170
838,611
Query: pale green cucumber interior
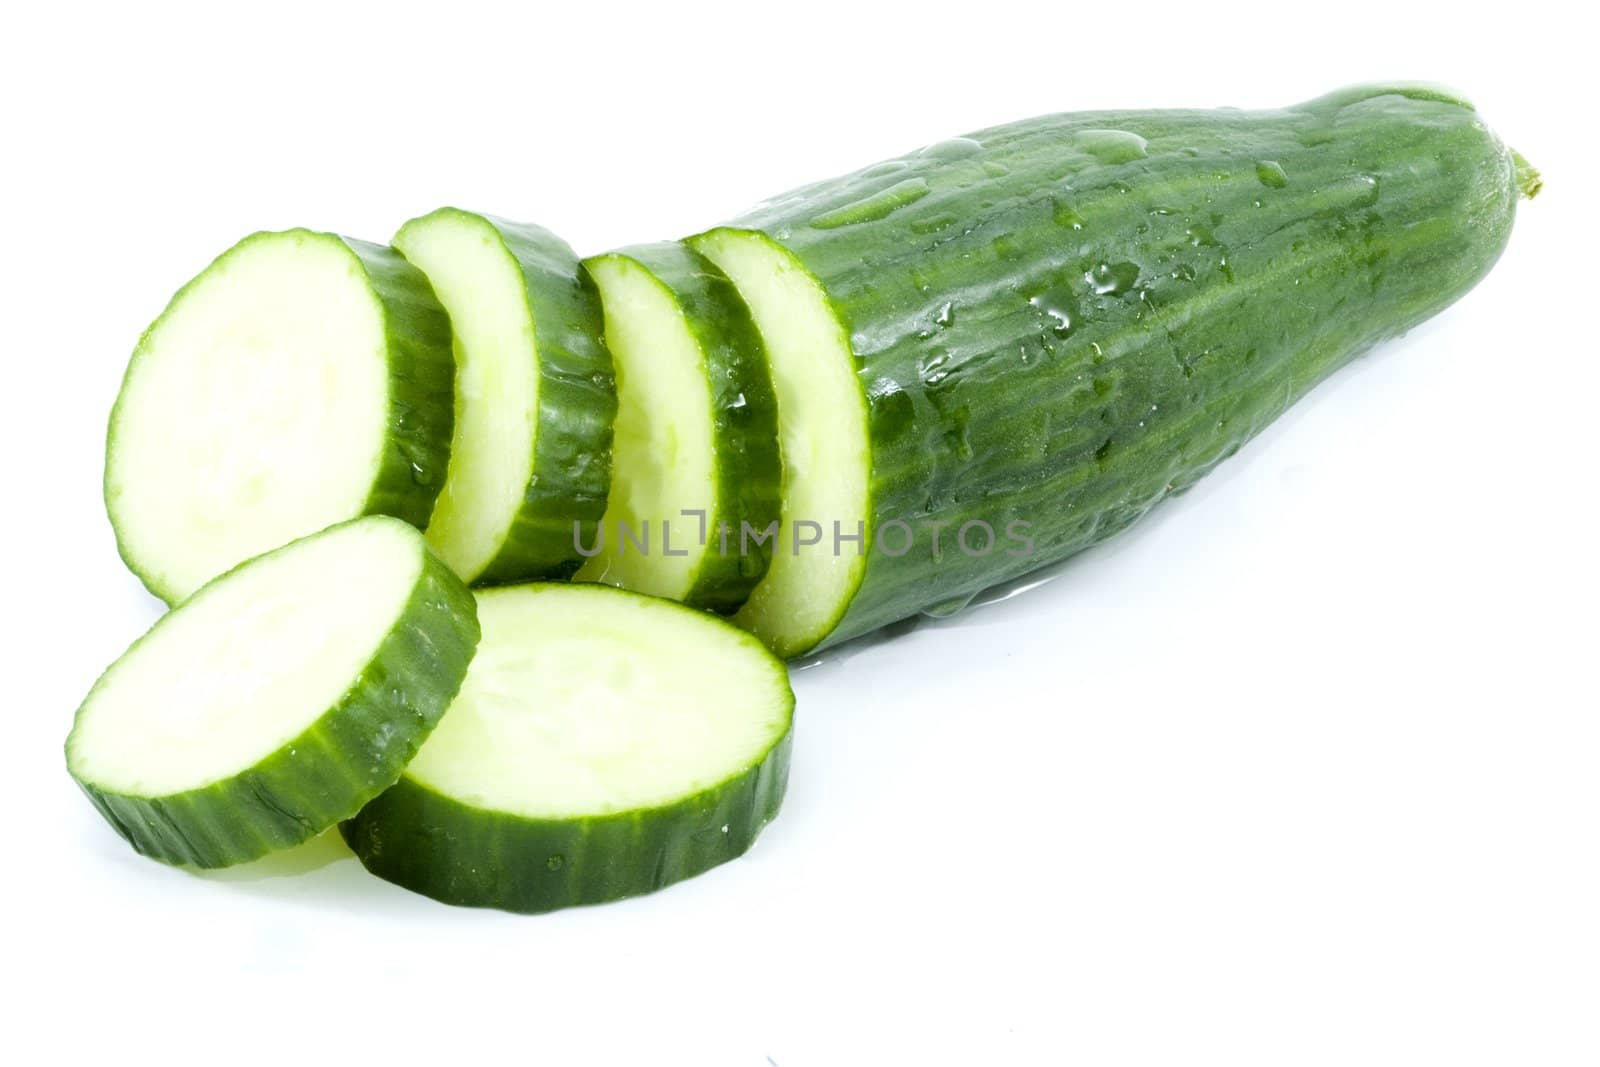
582,700
247,664
662,453
254,411
480,284
822,434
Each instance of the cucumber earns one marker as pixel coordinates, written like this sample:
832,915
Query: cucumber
300,380
822,435
278,699
999,350
534,398
586,758
696,463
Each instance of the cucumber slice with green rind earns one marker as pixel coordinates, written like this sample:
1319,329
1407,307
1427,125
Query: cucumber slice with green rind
278,699
696,470
586,759
530,460
823,434
301,380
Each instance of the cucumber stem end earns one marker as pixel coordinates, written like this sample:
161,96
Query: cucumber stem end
1529,180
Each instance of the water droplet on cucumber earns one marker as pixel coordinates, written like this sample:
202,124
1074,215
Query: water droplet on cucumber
1112,146
1059,307
1112,279
932,368
955,148
1270,174
1063,215
880,169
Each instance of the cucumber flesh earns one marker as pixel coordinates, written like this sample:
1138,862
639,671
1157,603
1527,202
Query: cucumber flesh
823,439
587,758
294,384
279,698
662,448
497,390
696,451
533,396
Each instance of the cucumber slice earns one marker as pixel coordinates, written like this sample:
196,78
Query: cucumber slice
822,432
278,699
586,758
696,431
531,455
301,380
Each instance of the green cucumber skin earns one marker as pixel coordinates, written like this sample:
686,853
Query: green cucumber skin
577,404
1015,368
421,375
421,364
355,751
442,848
745,413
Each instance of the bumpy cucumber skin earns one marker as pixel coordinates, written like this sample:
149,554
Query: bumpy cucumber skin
577,404
745,419
421,365
355,751
442,848
1062,321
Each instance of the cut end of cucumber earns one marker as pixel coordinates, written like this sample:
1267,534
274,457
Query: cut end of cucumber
663,455
249,663
585,702
822,431
480,283
265,383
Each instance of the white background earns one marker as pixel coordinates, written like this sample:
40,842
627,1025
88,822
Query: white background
1303,770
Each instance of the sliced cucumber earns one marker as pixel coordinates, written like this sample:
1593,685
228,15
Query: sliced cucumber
1055,324
587,757
533,397
278,699
696,461
301,380
822,431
